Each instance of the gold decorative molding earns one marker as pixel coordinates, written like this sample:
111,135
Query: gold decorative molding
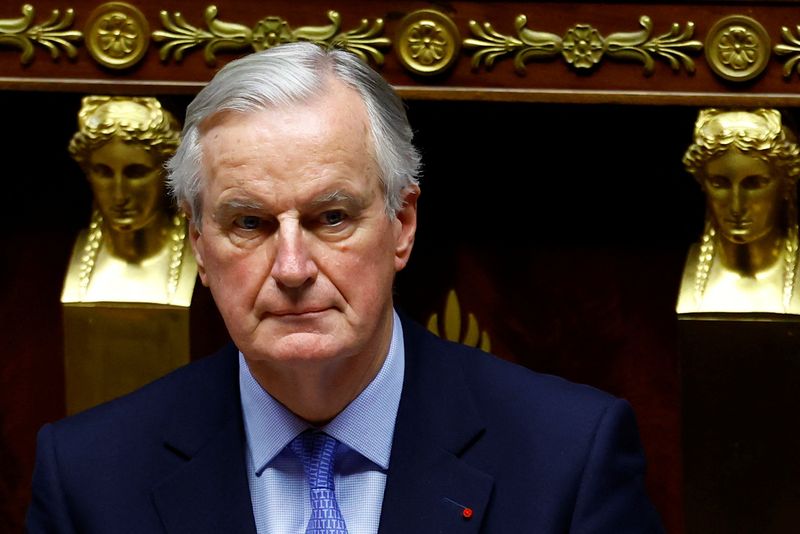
53,34
451,325
117,35
582,46
737,48
179,36
793,47
427,42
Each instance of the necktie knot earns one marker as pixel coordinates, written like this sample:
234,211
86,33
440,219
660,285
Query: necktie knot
316,451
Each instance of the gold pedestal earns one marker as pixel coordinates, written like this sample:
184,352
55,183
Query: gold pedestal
110,350
741,440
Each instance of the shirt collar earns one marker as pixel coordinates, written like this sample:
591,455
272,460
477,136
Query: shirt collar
366,425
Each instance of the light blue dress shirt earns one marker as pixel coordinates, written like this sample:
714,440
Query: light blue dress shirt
278,487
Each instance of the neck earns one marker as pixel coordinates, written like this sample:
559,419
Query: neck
751,258
317,392
137,245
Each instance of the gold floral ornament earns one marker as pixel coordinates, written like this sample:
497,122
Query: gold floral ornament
52,34
117,35
791,46
271,31
583,47
737,48
427,42
179,36
452,326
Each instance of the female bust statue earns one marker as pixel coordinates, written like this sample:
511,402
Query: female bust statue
747,165
135,249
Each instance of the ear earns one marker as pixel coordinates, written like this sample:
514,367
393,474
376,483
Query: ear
406,227
198,247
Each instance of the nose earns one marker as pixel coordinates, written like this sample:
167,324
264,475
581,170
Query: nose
120,189
294,266
737,201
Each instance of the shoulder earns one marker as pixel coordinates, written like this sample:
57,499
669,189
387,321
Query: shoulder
502,385
134,419
519,408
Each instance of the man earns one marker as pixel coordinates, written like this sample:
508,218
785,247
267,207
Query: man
331,413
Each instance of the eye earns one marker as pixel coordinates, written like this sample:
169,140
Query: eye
718,182
248,222
333,217
102,171
137,170
756,182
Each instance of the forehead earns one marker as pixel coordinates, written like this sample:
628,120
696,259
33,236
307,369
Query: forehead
337,107
734,162
120,150
324,139
331,125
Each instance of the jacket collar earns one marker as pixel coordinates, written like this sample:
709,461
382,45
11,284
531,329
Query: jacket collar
208,492
429,486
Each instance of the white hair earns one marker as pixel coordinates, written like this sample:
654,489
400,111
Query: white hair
295,73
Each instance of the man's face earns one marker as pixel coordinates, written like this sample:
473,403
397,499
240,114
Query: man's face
743,195
127,183
295,243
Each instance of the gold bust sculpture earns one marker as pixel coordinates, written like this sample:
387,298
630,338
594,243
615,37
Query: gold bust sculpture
135,249
746,162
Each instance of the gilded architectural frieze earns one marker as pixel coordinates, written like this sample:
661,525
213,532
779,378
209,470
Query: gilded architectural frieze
426,42
582,46
179,36
53,34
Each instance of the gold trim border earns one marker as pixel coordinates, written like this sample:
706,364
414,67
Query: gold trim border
581,46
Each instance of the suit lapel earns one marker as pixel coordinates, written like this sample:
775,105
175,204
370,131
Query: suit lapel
429,488
208,492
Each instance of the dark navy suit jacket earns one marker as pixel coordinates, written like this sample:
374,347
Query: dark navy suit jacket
526,453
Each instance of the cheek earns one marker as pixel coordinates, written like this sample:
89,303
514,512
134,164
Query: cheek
232,271
148,200
149,192
767,207
717,198
101,192
367,276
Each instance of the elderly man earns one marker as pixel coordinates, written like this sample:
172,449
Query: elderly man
329,413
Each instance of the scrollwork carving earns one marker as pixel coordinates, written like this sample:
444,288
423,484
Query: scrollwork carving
179,36
53,34
672,46
582,46
791,46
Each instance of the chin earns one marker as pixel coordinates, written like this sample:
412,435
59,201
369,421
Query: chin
122,226
298,348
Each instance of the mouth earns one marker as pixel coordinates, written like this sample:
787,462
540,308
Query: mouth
124,213
740,224
300,313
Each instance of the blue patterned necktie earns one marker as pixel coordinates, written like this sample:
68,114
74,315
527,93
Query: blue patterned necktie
316,451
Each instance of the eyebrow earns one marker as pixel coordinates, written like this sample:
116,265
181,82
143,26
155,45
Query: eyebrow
339,197
350,202
235,205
